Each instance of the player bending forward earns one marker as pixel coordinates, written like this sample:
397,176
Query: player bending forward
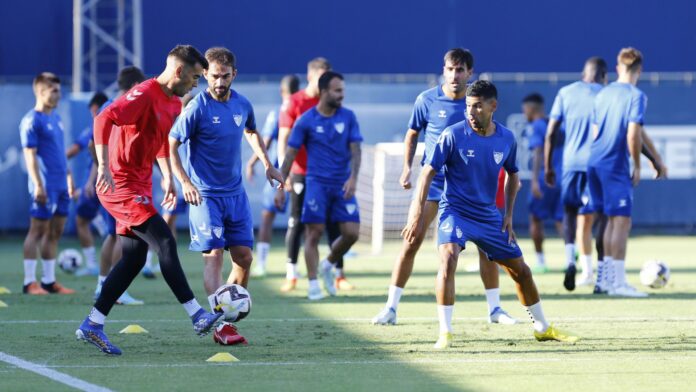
472,153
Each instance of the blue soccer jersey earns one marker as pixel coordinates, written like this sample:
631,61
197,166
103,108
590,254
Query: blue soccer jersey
615,107
471,163
270,130
327,140
212,133
45,133
535,132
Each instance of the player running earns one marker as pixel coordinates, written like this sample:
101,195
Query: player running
50,185
211,128
434,110
544,202
472,153
331,136
289,85
144,117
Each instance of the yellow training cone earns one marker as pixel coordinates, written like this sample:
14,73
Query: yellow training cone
3,305
133,328
5,290
222,357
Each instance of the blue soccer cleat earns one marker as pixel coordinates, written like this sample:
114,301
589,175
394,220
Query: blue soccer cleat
203,321
94,333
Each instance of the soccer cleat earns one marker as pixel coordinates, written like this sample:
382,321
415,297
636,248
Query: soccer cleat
553,333
87,271
226,334
258,271
569,279
315,294
499,316
56,288
444,341
343,284
584,280
148,273
203,321
34,288
326,273
386,317
540,269
289,285
626,290
94,333
126,299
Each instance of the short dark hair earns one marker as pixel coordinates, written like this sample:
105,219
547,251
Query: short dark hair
483,89
189,55
98,99
534,98
222,56
460,56
319,63
129,76
326,78
292,82
599,65
45,78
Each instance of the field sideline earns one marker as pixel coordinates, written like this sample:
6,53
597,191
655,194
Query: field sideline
627,344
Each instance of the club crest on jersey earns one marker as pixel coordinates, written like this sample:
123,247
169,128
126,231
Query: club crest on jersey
216,120
237,119
446,227
459,232
497,157
217,231
351,208
340,127
442,114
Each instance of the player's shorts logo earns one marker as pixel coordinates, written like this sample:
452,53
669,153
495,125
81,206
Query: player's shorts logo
622,203
237,119
497,157
144,200
340,127
204,230
446,227
459,232
194,237
217,231
313,205
351,208
298,187
585,200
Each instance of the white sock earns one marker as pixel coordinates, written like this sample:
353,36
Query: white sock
96,316
290,271
314,284
587,265
537,314
444,314
394,297
148,259
619,273
570,254
540,258
192,307
262,249
29,271
49,271
211,302
101,279
90,256
493,299
608,271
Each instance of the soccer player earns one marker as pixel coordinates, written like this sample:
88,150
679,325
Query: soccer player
331,135
619,110
88,203
50,185
472,153
289,85
211,128
544,202
434,110
573,107
144,117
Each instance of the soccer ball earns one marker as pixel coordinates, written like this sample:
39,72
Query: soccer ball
654,274
69,260
233,300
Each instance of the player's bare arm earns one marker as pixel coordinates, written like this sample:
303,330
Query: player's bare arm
283,137
71,185
415,222
249,171
635,144
512,186
352,182
168,186
259,147
653,156
33,170
551,132
537,158
191,193
410,144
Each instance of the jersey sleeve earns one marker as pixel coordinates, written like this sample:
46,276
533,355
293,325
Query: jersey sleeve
557,108
251,118
128,108
288,114
638,105
29,132
510,163
270,126
536,135
86,135
442,151
186,124
419,116
298,133
354,135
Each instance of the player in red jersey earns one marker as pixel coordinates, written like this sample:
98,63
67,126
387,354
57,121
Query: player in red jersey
143,118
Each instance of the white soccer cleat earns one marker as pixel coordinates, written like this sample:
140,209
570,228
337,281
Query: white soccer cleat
126,299
386,317
327,278
499,316
584,280
626,290
315,294
258,271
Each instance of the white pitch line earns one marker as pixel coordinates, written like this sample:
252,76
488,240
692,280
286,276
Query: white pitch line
52,374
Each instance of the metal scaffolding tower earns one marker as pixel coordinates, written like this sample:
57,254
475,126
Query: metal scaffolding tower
107,35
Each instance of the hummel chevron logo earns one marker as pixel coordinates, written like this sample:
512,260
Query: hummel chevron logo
133,95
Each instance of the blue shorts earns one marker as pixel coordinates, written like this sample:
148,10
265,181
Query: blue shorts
108,220
221,222
456,229
437,188
269,202
549,206
57,203
575,191
87,207
322,200
611,192
180,208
